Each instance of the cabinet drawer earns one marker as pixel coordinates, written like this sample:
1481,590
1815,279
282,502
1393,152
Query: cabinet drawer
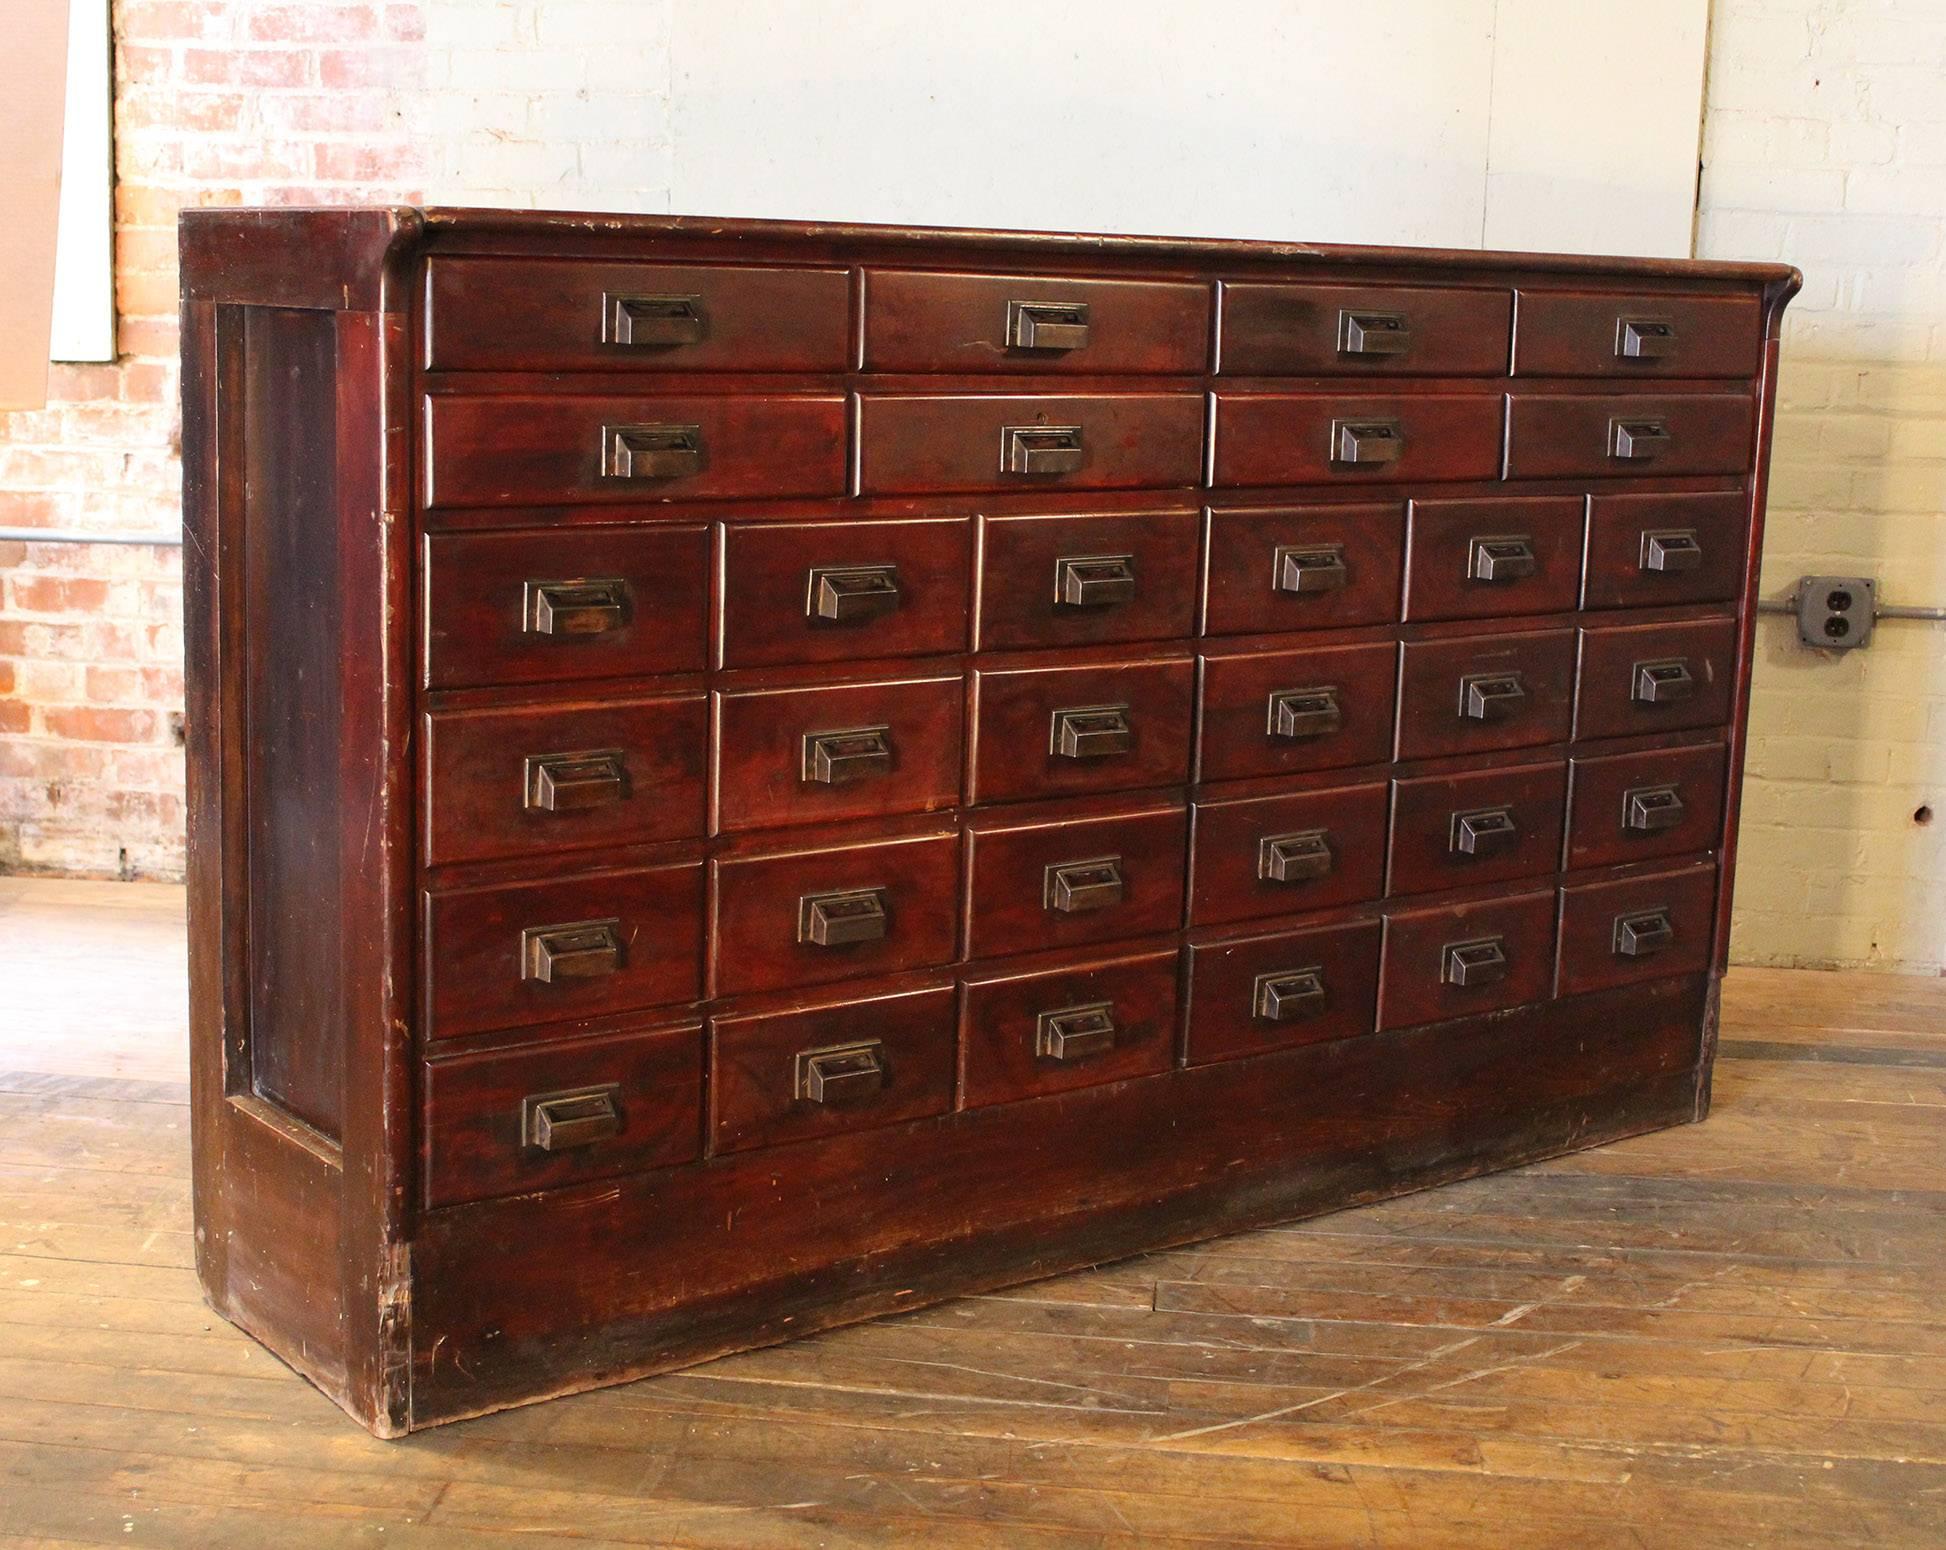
1655,677
1061,731
638,449
1278,712
843,1065
1049,1030
1637,928
812,753
1648,550
563,777
1303,568
1485,826
1571,436
1485,692
1280,855
806,917
1254,994
838,591
1464,959
986,441
1077,581
565,603
1045,324
512,314
543,952
502,1122
1061,882
1315,438
1637,806
1484,559
1616,334
1378,330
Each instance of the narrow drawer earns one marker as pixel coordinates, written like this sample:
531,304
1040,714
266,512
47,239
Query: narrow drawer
1485,826
1655,677
842,1065
1638,806
1461,960
1649,550
1481,693
1280,855
1250,995
1303,567
1637,928
541,778
842,591
1046,1031
1616,334
1317,438
1045,324
1062,882
812,753
1278,712
1573,436
1377,330
806,917
543,952
571,449
565,603
1489,559
516,314
1062,731
502,1122
1078,581
989,441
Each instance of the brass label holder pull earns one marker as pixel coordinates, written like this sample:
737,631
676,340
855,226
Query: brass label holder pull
652,322
841,1074
651,451
1482,961
578,950
842,919
1307,568
1047,325
851,594
576,1117
574,782
1075,887
855,753
1288,995
1075,1032
574,610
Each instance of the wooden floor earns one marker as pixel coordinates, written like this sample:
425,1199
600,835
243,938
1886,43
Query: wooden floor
1729,1334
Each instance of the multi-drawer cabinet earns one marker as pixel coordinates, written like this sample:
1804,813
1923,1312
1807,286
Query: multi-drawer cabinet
745,776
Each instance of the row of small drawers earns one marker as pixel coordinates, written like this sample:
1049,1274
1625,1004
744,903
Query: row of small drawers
551,605
505,1120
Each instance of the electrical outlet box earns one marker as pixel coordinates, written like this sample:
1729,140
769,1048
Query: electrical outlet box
1836,613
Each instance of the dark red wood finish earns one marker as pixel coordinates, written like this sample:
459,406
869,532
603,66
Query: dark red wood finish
1232,878
1483,826
1288,438
1256,572
1416,984
1302,330
1228,1008
1606,828
1489,559
1242,731
1671,917
1614,701
1574,436
1029,597
1577,333
1438,702
1639,549
1017,715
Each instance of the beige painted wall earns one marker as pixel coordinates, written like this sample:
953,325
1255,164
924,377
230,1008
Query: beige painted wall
33,78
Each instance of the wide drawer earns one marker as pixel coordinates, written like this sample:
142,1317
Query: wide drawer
1483,559
1272,329
1636,928
1250,995
1279,712
1302,567
1328,438
1461,960
1062,731
1572,436
1087,580
1648,550
1616,334
1485,826
1281,855
1655,677
1638,806
1482,693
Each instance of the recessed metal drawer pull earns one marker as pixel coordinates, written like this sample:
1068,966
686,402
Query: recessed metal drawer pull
851,594
1647,809
855,753
1366,441
1309,569
574,782
1643,339
1300,714
841,1073
1074,887
1295,858
1042,449
1643,933
1671,550
651,451
1479,962
1637,441
580,1116
580,950
1047,325
1664,683
1487,831
1491,696
1075,1032
1373,333
1090,732
569,610
1094,581
1500,559
1287,996
652,322
843,918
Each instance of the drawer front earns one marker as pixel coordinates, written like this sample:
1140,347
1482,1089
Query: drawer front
1255,994
563,604
810,754
1486,559
638,449
1063,731
543,952
541,778
1026,1034
1637,806
502,1122
807,917
1061,882
1045,324
844,1065
1461,960
508,314
1637,928
1376,330
1316,438
1648,550
1655,677
1303,568
1279,712
1281,855
1080,581
1485,692
1615,334
842,591
1572,436
985,441
1486,826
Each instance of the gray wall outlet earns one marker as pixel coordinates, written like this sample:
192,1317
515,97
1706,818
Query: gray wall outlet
1836,612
